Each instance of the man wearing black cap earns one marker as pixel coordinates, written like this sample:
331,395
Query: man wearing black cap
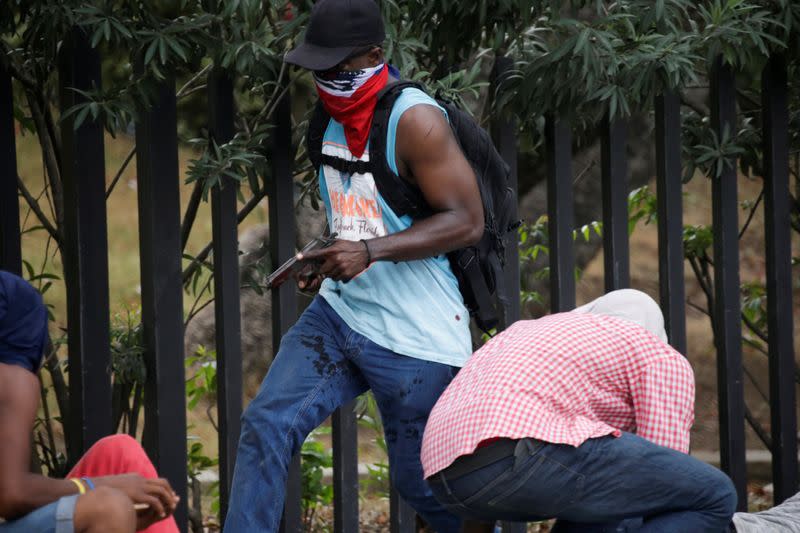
389,315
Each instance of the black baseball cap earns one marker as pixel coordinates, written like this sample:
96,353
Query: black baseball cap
337,29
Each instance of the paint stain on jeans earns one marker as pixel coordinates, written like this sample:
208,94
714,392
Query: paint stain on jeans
322,363
414,385
412,427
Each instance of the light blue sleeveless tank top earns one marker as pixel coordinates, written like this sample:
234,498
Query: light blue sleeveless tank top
413,308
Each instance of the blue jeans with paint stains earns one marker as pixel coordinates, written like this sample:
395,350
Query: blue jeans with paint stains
323,364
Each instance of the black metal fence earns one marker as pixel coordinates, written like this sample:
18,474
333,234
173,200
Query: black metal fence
161,243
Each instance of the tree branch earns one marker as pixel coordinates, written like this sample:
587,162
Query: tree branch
759,430
251,204
194,310
755,383
752,213
37,209
271,102
60,387
698,308
27,82
584,172
55,134
191,213
50,160
693,262
755,329
51,441
193,90
184,91
122,168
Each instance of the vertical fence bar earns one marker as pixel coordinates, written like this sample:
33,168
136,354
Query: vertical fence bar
402,516
779,278
282,247
504,132
670,217
727,310
560,213
616,255
162,291
10,245
226,288
85,250
345,470
292,521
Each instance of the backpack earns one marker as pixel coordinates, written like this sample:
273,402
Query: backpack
478,268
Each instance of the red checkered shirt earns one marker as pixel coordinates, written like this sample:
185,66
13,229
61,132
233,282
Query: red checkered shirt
564,379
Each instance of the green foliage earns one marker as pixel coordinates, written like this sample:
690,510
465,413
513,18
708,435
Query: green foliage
616,59
315,458
583,58
198,461
127,348
697,240
202,385
642,207
369,417
441,35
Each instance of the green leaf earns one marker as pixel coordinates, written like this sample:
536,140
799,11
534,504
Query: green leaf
162,49
81,117
151,51
178,49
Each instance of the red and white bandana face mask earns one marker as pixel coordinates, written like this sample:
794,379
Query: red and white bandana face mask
349,98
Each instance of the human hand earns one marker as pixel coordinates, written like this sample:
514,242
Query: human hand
341,261
156,493
308,278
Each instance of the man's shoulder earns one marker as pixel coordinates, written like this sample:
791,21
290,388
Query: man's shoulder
414,95
416,99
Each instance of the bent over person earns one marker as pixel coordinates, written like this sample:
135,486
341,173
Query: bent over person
583,416
99,494
389,316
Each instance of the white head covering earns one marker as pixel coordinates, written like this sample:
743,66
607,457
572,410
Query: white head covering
632,305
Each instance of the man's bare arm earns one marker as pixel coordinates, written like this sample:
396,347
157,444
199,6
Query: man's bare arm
21,491
429,154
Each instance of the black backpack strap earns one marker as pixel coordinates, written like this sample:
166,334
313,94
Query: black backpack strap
317,125
346,166
403,197
481,306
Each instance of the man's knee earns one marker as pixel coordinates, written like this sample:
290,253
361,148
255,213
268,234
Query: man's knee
409,483
729,499
115,454
725,497
105,509
120,445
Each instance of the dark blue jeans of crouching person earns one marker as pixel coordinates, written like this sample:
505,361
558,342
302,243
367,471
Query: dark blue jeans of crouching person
605,485
323,364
